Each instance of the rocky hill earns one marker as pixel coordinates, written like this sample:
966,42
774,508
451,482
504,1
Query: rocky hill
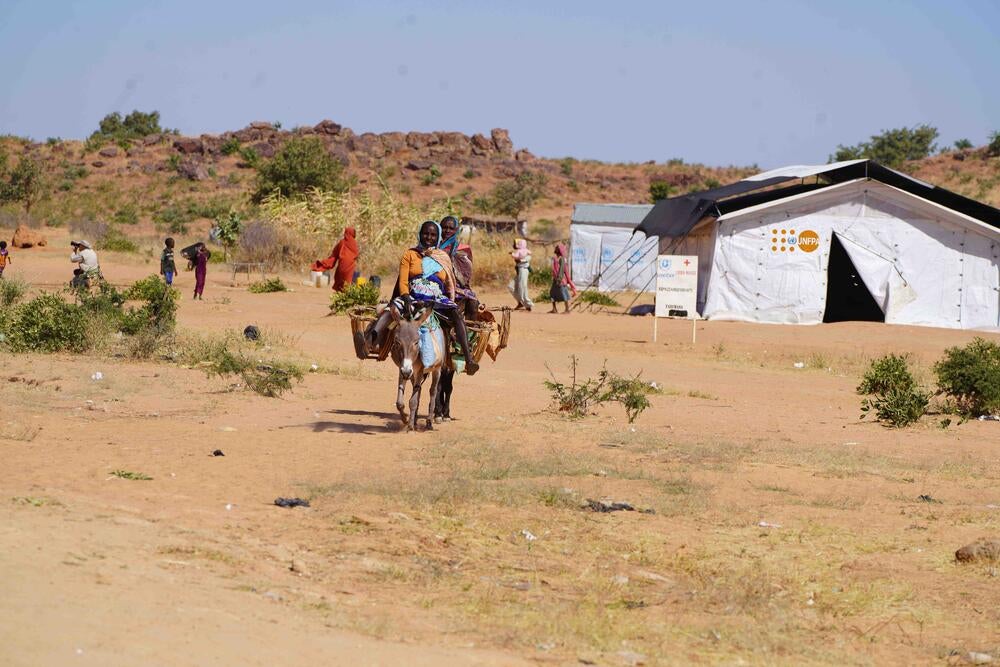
170,180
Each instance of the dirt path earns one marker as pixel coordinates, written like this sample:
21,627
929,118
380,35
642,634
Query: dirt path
416,547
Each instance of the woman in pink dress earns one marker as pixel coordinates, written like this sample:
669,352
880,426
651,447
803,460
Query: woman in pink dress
200,269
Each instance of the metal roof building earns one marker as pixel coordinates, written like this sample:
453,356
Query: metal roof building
599,233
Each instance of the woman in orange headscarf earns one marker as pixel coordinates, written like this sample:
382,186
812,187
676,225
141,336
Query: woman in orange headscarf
343,257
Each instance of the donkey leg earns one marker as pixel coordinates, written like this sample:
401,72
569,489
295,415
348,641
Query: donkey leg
399,398
418,381
435,379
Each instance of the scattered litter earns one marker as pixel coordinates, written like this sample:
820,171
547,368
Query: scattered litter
218,452
848,444
313,368
989,418
799,364
976,658
619,579
291,502
227,429
528,535
79,651
632,658
97,376
925,498
229,506
613,506
547,646
654,386
271,595
765,524
251,333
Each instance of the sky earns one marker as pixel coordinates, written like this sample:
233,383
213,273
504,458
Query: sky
768,82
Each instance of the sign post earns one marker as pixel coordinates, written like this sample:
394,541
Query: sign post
677,290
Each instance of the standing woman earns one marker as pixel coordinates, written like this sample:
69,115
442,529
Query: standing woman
346,254
561,282
200,269
522,268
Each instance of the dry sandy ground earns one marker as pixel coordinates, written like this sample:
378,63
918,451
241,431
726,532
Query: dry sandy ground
468,545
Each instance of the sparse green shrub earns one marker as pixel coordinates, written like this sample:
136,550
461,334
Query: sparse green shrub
301,165
659,190
970,375
566,166
541,277
963,144
893,394
159,310
115,240
250,156
578,398
887,372
892,147
129,474
12,289
595,298
230,146
126,215
266,286
270,379
46,323
174,217
432,175
354,295
468,174
897,406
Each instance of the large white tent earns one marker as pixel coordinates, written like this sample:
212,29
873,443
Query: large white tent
600,234
846,241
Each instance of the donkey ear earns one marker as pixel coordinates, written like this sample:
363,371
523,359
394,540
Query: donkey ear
396,317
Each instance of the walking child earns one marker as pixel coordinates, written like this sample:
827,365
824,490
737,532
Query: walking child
562,284
167,267
200,269
4,257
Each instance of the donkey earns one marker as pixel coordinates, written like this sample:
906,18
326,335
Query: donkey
406,355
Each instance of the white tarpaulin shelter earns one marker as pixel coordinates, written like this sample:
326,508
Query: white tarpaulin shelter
847,241
599,234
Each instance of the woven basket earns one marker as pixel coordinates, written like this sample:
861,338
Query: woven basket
479,338
361,317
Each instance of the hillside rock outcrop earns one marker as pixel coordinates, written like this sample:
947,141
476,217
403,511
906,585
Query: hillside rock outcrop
25,237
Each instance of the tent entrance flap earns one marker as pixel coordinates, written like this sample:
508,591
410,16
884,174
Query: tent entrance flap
848,299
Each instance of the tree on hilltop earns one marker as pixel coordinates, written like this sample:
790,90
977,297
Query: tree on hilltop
301,165
892,147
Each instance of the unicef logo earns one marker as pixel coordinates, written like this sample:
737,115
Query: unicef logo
665,264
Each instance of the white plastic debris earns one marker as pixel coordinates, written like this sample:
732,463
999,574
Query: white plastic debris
528,535
799,364
313,368
766,524
989,418
229,506
97,376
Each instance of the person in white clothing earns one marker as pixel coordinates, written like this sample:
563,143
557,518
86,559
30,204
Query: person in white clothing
84,255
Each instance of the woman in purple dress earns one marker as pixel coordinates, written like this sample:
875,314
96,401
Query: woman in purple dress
200,269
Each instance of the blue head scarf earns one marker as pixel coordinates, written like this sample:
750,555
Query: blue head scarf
450,245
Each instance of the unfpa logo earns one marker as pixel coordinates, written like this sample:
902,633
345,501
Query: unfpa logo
785,240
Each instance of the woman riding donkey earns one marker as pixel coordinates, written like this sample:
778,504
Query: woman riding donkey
427,275
468,303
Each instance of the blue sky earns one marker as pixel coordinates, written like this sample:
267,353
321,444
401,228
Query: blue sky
770,83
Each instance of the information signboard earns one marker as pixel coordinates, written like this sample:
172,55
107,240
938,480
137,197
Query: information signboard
677,286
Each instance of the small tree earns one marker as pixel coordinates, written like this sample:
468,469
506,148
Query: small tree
301,165
136,125
971,376
24,184
227,230
659,190
963,144
892,147
993,148
510,198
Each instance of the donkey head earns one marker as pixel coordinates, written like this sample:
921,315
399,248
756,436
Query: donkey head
407,343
